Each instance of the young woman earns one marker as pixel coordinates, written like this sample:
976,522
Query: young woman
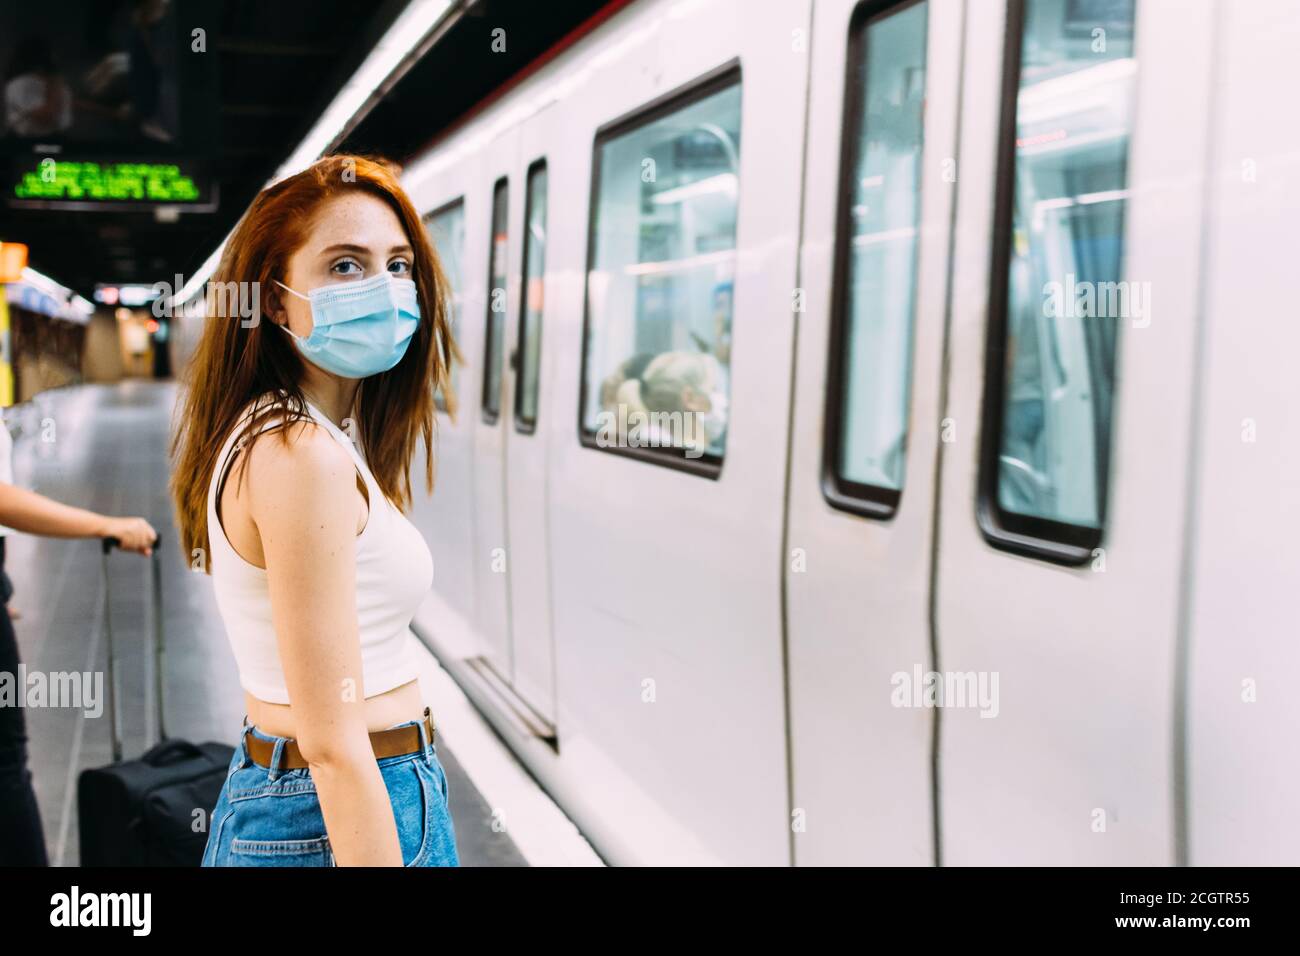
293,453
22,839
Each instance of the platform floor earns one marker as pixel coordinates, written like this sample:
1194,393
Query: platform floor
104,447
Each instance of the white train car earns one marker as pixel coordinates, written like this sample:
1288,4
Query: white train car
949,333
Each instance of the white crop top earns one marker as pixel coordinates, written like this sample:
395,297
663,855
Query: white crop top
394,575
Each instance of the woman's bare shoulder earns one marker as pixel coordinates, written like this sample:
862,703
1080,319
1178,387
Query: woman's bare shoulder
301,465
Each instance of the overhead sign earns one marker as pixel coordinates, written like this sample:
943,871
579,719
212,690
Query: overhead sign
57,183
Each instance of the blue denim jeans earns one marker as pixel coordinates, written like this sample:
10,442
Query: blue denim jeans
270,816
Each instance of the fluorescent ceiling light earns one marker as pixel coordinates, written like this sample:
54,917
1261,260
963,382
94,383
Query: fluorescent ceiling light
411,26
405,34
38,280
724,183
1091,88
70,306
136,295
1078,81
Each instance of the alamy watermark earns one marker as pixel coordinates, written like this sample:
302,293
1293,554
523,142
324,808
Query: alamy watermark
976,689
76,689
226,300
639,428
132,910
1087,300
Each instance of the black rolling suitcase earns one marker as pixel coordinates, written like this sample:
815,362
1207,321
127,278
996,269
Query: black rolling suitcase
152,811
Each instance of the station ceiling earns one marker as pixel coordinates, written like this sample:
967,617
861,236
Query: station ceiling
278,66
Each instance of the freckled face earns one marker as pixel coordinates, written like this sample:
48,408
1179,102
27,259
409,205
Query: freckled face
355,236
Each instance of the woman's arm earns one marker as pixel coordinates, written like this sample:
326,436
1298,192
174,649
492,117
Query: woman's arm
27,511
303,500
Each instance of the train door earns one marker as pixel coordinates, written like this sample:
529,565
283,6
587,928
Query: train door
526,480
667,502
866,426
1242,715
1061,505
500,194
447,518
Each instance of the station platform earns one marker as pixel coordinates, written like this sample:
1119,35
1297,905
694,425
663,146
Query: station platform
105,447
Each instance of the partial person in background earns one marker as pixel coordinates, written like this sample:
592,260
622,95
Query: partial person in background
630,368
691,385
146,78
37,101
22,840
6,477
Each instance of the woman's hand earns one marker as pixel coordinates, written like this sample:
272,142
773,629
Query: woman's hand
132,534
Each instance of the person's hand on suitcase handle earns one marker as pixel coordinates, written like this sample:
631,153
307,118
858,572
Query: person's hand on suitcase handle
32,513
130,534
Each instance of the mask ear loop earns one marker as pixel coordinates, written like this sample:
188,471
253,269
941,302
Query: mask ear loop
285,326
287,289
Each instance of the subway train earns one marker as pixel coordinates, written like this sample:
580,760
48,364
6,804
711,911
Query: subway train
875,441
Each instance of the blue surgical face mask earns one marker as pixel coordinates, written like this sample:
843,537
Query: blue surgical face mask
359,328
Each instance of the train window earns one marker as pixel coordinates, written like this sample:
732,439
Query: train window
661,261
447,231
496,306
530,308
1056,292
875,289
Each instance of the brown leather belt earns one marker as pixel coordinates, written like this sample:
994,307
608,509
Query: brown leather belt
393,742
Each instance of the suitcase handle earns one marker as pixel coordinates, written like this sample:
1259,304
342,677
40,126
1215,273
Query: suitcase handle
107,544
171,751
